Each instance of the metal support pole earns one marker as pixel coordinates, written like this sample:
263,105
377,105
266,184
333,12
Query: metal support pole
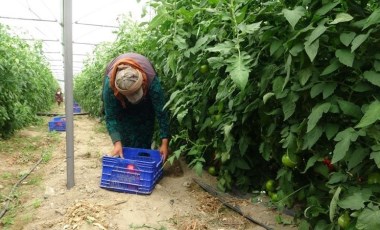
69,99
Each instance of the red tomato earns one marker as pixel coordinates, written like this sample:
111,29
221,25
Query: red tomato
327,162
130,167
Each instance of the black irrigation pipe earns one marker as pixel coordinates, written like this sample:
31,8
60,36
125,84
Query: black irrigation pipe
9,198
236,208
58,114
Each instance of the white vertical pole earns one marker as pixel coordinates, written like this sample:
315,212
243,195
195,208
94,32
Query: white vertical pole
69,99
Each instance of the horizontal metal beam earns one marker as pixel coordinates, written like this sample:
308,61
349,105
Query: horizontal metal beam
29,19
97,25
85,43
44,40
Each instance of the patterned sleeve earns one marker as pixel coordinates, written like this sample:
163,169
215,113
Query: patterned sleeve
112,108
158,101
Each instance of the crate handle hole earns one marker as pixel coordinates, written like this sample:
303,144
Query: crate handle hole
143,154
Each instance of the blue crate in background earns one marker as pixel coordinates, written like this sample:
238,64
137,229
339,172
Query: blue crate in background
76,109
76,104
57,124
137,173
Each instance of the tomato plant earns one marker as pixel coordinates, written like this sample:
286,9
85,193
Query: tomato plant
27,85
298,76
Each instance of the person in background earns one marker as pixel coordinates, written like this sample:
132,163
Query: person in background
133,99
59,96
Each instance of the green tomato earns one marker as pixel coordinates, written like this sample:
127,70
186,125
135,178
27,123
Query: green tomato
217,117
212,170
374,178
270,185
287,161
274,197
344,221
203,68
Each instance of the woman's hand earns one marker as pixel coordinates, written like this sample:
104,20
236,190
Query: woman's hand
164,149
117,149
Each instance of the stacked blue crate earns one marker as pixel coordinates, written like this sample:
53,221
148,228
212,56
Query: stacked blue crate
57,124
76,108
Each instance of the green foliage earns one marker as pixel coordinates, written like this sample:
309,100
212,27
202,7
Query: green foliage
292,76
284,76
27,85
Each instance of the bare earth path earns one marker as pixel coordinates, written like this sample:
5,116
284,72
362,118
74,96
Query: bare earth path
176,202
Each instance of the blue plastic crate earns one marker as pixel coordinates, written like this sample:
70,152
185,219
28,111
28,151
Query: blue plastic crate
76,104
137,173
77,109
57,124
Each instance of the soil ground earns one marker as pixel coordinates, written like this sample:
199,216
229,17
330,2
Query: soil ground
43,201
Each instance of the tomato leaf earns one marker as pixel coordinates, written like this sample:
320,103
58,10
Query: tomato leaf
350,109
331,129
344,139
224,48
250,28
304,75
346,38
242,164
316,114
267,96
317,89
315,34
335,64
312,49
345,57
326,8
201,42
368,219
296,49
371,115
198,167
337,177
181,115
310,162
275,46
329,89
373,19
375,155
376,65
334,204
161,17
372,77
239,69
288,106
359,40
342,17
265,150
312,137
293,16
356,157
356,199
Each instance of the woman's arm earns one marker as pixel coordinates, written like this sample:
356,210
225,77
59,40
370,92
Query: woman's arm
157,96
112,109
